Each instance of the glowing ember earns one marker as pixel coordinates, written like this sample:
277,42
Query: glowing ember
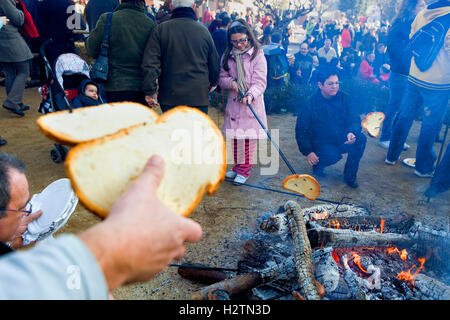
357,261
320,215
403,254
335,256
406,275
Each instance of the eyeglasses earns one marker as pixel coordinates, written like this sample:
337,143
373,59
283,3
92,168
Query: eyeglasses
330,84
243,40
28,209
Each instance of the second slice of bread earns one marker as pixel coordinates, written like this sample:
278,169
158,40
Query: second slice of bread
188,140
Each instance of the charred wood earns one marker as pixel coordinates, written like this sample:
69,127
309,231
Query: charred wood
302,251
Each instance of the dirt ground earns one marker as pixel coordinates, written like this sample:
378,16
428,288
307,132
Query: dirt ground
230,216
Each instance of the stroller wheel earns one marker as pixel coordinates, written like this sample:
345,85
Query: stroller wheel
58,154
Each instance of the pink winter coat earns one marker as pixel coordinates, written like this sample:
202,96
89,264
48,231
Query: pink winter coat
240,123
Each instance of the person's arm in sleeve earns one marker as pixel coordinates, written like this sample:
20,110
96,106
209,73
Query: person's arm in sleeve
258,81
94,41
15,16
151,63
353,118
137,240
62,270
225,78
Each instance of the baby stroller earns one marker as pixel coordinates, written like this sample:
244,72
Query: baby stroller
63,80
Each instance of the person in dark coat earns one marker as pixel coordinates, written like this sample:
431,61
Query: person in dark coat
303,65
15,57
329,126
181,55
88,95
126,48
95,8
53,24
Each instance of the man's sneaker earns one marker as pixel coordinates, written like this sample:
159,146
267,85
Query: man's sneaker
240,179
424,175
391,163
230,174
385,145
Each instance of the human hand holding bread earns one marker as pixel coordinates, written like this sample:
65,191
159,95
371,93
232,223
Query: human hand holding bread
129,166
140,236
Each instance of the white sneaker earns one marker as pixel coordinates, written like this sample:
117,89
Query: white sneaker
239,179
230,174
384,144
423,175
391,163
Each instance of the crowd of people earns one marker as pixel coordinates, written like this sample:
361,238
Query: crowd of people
165,57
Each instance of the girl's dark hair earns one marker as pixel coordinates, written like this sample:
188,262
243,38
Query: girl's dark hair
406,11
243,27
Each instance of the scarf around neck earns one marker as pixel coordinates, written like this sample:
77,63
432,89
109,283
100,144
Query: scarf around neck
240,68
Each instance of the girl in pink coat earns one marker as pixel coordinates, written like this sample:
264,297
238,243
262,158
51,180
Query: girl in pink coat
244,68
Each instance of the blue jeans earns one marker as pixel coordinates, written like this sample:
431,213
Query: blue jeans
397,89
330,154
441,180
434,108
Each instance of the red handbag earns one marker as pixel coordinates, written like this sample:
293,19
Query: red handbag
28,29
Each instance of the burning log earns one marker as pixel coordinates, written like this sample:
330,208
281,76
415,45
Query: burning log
302,251
432,288
245,282
320,237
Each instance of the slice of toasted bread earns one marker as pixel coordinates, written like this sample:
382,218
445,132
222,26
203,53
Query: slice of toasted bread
190,143
303,184
372,123
85,124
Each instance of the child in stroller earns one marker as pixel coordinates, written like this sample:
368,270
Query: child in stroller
69,74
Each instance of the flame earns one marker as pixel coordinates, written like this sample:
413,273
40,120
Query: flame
403,254
335,256
406,275
320,215
382,225
357,261
336,224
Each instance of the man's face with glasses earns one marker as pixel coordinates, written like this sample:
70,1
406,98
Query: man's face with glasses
239,40
329,87
16,208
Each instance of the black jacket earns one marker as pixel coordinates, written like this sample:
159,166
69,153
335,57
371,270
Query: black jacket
323,121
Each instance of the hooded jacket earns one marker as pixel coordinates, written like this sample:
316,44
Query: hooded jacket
437,77
82,100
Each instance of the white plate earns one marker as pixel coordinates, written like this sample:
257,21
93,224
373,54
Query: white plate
57,202
410,162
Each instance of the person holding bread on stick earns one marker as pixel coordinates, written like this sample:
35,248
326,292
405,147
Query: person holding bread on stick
244,69
137,240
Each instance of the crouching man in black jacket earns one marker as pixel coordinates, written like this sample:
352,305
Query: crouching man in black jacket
328,126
